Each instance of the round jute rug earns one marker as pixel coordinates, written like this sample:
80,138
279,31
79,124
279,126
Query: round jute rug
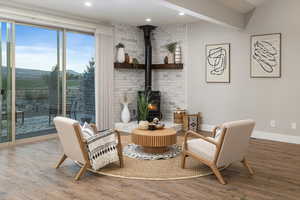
155,169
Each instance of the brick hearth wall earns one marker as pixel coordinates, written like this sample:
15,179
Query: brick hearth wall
171,83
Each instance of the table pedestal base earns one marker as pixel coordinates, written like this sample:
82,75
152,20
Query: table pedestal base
155,150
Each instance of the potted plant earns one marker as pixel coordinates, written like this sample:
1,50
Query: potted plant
135,62
143,111
120,53
171,47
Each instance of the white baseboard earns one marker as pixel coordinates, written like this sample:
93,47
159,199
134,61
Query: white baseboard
264,135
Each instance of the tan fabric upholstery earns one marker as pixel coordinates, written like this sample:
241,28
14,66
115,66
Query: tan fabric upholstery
68,138
202,148
236,141
229,145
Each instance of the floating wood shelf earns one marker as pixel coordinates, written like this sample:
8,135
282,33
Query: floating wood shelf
142,66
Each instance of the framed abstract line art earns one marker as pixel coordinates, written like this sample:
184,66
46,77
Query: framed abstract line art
218,63
266,56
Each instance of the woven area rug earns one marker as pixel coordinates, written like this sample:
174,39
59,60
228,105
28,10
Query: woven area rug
155,169
136,151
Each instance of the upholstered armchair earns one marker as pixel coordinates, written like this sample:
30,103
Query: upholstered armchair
229,144
75,146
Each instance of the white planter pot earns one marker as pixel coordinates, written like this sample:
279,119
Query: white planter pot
121,55
125,114
170,58
178,58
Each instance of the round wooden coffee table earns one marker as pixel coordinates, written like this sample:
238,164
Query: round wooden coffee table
156,141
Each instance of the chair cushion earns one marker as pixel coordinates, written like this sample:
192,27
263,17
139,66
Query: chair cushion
202,148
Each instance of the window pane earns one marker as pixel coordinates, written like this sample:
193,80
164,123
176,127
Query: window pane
38,82
80,75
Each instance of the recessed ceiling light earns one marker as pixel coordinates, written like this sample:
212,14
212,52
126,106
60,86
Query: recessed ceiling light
148,20
181,13
88,4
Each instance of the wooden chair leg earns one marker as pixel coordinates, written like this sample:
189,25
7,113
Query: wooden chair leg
63,158
81,171
183,159
218,174
120,154
246,164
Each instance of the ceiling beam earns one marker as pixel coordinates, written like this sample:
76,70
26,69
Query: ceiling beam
208,10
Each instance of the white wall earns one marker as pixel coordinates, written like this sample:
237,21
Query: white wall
261,99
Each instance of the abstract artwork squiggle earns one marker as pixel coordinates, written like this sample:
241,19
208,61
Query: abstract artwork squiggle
216,59
218,63
265,55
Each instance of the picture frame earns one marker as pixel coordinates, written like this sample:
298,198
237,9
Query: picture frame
217,58
265,55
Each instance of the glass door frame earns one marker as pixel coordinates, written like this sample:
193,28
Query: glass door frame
61,62
10,62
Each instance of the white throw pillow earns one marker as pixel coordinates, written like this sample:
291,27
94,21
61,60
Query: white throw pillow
87,130
218,134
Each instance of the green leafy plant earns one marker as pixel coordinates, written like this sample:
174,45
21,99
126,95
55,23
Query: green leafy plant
120,45
143,102
171,47
135,62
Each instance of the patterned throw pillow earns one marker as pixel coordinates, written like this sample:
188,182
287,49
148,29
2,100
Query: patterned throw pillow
102,149
87,131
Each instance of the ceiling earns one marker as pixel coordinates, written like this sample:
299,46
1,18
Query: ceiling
113,11
133,12
242,6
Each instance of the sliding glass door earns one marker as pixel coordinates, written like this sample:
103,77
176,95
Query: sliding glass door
44,72
6,44
80,77
38,80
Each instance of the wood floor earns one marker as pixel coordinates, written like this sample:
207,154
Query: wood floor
27,173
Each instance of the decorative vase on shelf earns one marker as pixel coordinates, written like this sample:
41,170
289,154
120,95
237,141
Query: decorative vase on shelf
127,58
178,54
166,60
170,58
121,55
125,114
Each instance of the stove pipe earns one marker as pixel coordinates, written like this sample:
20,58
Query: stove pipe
147,29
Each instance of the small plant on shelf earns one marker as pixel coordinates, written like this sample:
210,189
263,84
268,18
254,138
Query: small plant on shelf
171,47
135,62
120,45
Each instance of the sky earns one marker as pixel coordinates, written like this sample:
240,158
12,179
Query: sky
36,48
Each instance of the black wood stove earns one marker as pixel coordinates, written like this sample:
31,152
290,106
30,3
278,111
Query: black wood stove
154,106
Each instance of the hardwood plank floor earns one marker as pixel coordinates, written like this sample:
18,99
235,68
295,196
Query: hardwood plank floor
27,173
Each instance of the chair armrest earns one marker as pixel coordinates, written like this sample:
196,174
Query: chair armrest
115,131
192,133
118,135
